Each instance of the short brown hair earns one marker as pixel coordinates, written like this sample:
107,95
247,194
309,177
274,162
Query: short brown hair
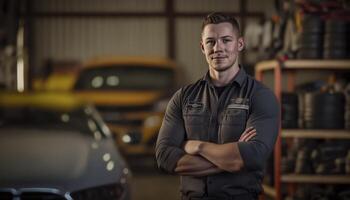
217,17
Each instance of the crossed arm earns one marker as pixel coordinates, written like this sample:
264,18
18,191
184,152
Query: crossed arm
205,158
198,158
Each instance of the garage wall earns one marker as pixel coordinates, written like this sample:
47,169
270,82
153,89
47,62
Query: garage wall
98,5
207,5
81,39
188,51
265,6
73,37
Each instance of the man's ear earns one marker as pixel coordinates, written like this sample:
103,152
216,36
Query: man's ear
202,46
241,44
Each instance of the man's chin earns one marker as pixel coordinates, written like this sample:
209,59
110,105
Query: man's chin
221,68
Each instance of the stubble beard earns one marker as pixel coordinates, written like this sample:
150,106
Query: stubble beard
219,68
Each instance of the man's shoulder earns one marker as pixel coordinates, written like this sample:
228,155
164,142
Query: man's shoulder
260,89
182,94
187,89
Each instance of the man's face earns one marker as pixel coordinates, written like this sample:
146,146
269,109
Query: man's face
221,44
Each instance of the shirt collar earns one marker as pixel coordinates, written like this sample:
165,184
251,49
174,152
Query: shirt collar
239,78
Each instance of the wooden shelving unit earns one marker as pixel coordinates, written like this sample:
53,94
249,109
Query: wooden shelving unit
303,64
270,191
319,179
316,134
289,67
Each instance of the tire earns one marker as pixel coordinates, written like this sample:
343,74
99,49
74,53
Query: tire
336,26
324,110
335,53
312,24
309,53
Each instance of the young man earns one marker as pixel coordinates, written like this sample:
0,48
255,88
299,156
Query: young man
207,135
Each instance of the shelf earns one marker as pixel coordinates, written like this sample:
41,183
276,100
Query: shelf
269,190
278,68
318,179
316,134
305,64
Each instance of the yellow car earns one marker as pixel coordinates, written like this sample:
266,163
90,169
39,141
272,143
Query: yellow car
61,79
131,93
56,82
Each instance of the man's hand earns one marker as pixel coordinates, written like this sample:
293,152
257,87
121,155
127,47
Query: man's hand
192,146
189,165
248,134
223,156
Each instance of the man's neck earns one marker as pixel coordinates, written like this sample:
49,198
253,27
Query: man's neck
223,78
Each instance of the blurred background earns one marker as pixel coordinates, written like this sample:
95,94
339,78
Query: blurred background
94,78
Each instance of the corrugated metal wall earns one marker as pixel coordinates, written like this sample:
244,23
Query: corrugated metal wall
188,51
265,6
207,5
99,5
80,38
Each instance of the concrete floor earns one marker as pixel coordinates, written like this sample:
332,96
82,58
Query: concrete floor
148,183
155,187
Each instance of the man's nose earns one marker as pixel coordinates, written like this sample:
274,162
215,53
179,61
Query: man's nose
218,46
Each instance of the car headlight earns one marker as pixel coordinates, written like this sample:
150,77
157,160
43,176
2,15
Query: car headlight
132,137
106,192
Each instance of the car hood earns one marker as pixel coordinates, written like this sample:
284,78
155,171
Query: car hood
54,159
120,98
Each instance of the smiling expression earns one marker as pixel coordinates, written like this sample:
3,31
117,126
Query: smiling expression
221,44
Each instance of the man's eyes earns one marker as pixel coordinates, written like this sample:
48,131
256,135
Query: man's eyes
211,42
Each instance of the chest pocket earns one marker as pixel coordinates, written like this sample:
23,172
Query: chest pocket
233,122
196,119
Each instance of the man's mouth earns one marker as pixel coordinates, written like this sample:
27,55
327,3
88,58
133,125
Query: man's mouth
218,57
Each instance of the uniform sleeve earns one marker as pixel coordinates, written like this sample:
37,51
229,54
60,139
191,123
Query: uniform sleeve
171,136
264,116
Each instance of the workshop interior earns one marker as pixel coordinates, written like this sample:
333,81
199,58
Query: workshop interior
84,86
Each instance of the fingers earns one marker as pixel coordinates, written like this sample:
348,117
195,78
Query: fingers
248,129
247,135
251,131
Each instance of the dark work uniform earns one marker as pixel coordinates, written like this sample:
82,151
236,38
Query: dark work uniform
196,112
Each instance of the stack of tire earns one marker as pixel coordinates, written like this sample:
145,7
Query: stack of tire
330,157
324,110
289,110
301,109
347,107
320,192
311,39
335,39
303,164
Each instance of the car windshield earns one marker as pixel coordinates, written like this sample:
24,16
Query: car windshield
46,119
126,78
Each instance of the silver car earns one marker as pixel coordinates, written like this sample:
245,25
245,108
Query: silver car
55,147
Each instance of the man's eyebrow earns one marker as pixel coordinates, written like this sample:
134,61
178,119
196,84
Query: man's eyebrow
226,36
209,38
